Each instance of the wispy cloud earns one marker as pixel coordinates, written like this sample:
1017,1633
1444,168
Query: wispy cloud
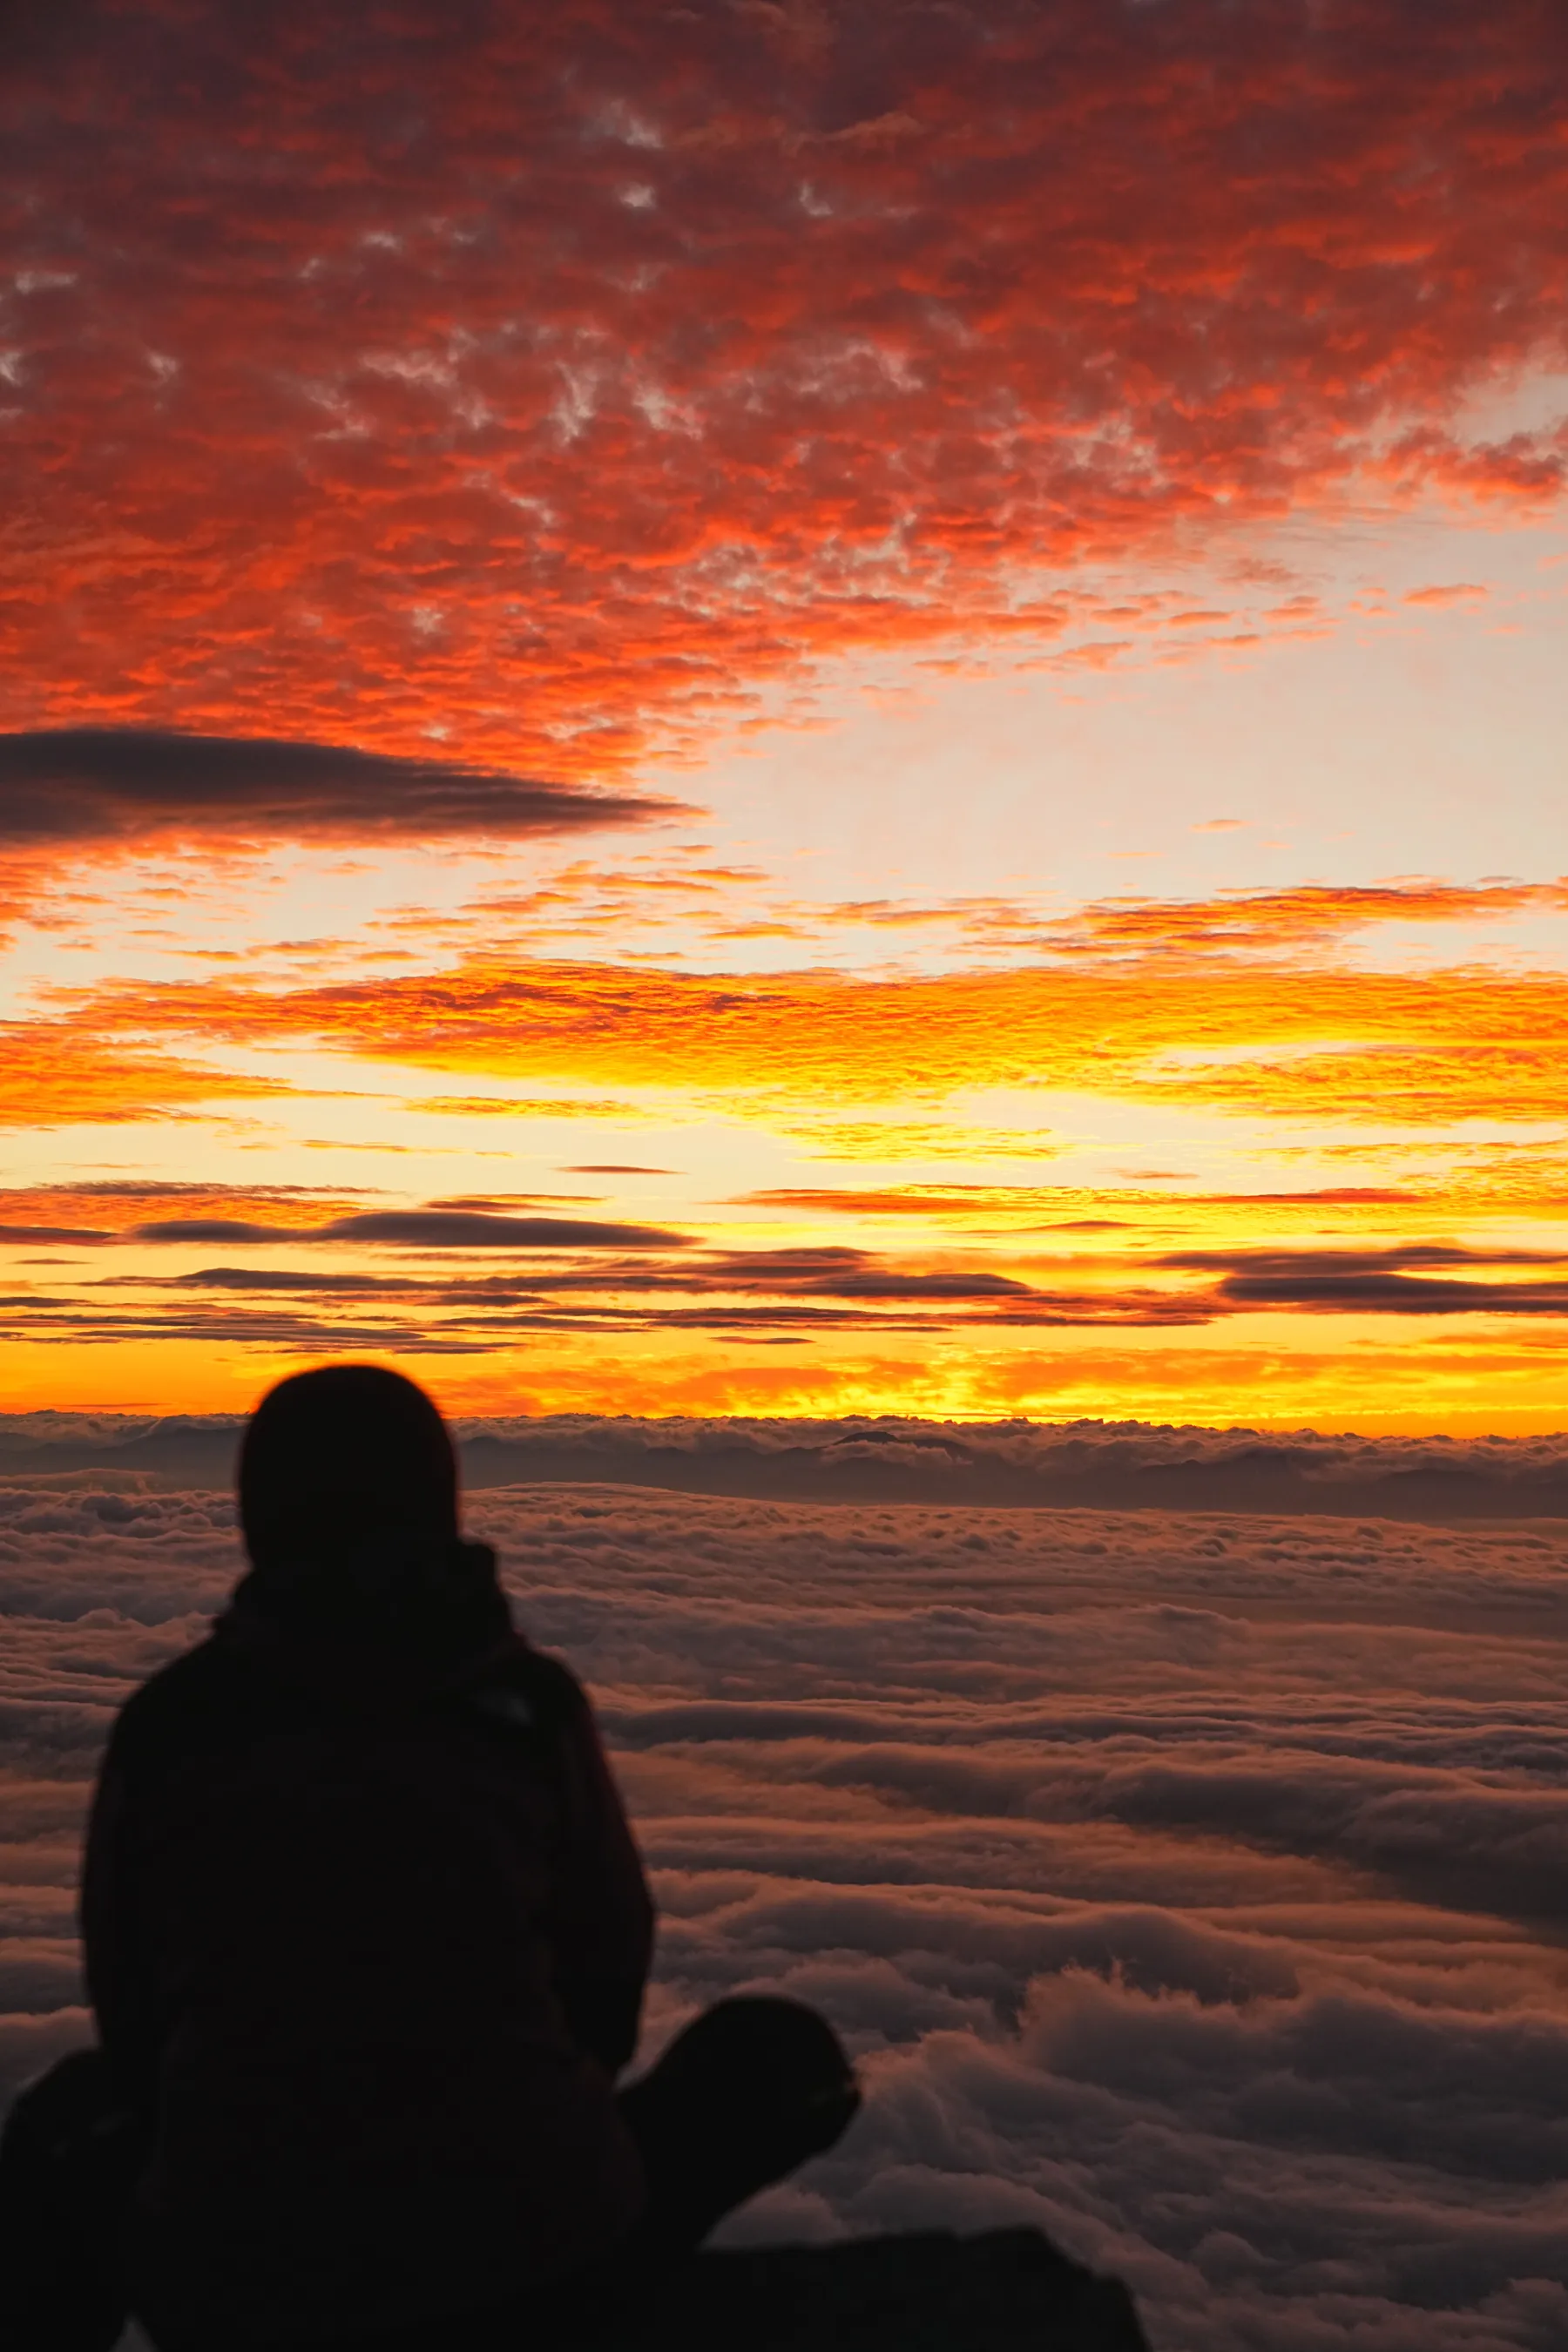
121,1205
54,1077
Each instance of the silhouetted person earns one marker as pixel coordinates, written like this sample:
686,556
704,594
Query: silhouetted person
366,1938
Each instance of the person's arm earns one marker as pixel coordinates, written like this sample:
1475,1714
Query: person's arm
119,1980
602,1915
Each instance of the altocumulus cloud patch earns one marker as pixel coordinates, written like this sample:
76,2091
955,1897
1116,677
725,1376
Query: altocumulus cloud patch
814,184
1188,1884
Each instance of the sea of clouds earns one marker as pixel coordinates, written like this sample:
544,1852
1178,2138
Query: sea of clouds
890,1457
1192,1885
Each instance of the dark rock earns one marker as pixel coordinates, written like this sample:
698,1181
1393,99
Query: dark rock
1004,2291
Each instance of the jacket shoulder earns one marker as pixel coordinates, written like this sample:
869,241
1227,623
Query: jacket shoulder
528,1692
205,1698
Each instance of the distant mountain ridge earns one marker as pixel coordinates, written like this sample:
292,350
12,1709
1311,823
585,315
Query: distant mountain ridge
1087,1464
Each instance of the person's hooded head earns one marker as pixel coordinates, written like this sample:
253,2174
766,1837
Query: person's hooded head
348,1502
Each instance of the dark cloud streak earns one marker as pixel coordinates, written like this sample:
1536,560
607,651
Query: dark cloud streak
1404,1278
421,1229
89,785
446,1229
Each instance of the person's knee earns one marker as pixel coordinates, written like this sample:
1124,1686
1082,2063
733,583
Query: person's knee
762,2052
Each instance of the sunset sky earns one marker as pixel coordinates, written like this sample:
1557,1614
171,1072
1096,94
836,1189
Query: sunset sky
788,706
746,714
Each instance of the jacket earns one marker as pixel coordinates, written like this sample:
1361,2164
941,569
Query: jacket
366,1936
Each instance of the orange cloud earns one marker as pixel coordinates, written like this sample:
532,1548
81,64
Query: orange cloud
1420,1050
115,1209
884,1139
1489,1175
524,1107
1421,1379
56,1076
578,903
536,381
1299,917
1075,1208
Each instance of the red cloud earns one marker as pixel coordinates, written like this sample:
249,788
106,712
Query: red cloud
539,374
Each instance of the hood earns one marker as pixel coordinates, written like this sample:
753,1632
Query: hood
380,1622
